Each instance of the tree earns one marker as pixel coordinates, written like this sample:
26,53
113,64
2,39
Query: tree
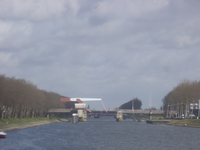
70,105
136,103
181,96
22,98
152,108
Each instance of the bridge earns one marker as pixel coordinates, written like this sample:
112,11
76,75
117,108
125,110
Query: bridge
129,111
59,110
124,111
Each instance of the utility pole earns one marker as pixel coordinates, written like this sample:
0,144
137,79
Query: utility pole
192,107
150,102
181,110
167,110
186,109
132,105
198,109
170,110
177,110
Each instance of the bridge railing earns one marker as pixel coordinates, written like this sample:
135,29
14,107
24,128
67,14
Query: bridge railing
59,110
110,110
102,110
130,110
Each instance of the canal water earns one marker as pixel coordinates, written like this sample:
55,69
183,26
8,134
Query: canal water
103,134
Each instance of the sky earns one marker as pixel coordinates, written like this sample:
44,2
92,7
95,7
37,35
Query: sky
110,49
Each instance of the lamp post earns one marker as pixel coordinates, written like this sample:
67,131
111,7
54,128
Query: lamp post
168,110
177,110
163,108
132,105
185,109
171,110
198,109
181,111
192,107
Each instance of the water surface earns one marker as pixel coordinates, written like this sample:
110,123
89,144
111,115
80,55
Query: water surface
102,134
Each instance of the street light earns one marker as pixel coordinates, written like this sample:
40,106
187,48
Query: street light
199,108
132,105
181,113
192,107
168,110
171,110
177,110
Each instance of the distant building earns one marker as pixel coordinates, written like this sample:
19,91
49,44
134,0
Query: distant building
194,108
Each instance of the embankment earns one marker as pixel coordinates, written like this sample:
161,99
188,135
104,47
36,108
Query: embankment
185,123
30,124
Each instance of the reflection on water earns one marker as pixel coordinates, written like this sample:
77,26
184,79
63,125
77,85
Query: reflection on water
102,134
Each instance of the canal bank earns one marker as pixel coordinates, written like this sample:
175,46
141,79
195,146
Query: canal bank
30,124
195,123
158,121
177,122
102,133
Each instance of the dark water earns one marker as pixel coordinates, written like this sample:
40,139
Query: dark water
103,134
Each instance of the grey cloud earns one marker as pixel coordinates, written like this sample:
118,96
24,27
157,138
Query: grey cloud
31,10
114,50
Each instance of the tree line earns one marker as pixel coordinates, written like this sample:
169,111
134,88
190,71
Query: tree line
134,103
21,98
180,98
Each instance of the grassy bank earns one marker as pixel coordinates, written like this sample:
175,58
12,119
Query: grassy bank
185,122
17,122
145,117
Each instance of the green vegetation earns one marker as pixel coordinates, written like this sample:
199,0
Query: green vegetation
22,99
16,121
146,117
142,117
186,122
136,103
61,117
181,96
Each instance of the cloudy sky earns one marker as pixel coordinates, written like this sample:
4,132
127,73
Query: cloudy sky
110,49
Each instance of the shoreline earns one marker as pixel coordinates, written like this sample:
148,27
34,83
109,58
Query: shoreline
31,124
40,123
177,122
184,125
194,123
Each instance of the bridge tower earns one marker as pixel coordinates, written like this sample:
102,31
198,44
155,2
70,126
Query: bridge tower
119,116
80,107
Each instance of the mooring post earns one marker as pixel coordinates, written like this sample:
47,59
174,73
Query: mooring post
48,116
150,115
75,118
